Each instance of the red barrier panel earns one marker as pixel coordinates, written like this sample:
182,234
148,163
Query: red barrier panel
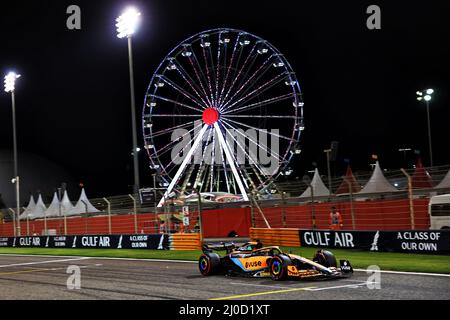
218,223
369,215
120,224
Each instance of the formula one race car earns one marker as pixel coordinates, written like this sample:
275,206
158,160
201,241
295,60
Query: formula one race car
253,260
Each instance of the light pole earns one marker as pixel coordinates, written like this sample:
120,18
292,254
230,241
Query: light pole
199,203
126,26
404,150
154,192
307,181
425,95
10,81
327,151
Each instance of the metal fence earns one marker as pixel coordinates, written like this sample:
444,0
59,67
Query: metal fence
405,208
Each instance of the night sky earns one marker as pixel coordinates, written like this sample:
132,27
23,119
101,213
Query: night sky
358,84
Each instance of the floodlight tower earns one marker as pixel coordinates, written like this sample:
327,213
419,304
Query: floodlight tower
127,24
10,85
425,95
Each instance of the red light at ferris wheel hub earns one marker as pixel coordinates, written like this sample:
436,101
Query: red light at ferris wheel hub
210,116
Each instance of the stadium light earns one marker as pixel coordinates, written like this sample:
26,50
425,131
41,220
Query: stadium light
10,87
10,81
127,24
425,95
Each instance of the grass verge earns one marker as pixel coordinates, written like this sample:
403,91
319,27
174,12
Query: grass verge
113,253
359,259
386,260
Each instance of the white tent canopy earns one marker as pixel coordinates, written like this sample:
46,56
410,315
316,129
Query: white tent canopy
53,208
377,182
81,205
39,209
29,209
319,188
445,183
66,205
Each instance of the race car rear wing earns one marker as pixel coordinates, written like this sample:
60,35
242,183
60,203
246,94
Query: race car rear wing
222,246
231,246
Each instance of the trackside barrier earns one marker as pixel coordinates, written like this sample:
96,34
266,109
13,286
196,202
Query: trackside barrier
115,241
185,241
413,241
162,241
276,236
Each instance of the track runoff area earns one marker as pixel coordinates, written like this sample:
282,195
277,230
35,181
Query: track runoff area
71,277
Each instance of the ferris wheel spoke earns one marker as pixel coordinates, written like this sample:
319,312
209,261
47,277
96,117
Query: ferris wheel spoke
175,102
183,164
224,168
202,160
207,139
213,74
188,79
167,130
250,155
213,154
177,115
219,51
255,77
236,77
255,164
230,161
261,89
208,73
235,68
258,104
264,67
249,116
182,91
228,69
168,146
262,146
200,76
241,49
245,76
225,59
262,130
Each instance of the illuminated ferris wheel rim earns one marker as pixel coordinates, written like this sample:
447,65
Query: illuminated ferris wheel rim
214,110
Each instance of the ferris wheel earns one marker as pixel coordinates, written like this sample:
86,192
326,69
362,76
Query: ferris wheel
220,103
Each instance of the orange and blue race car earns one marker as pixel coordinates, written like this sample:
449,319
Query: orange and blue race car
253,260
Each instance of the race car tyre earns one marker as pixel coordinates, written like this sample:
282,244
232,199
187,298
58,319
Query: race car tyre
278,267
209,263
325,258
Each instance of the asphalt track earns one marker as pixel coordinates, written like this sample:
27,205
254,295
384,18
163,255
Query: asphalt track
45,277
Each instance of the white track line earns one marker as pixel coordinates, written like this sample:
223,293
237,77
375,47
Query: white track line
96,258
190,261
406,273
356,285
351,280
260,285
41,262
